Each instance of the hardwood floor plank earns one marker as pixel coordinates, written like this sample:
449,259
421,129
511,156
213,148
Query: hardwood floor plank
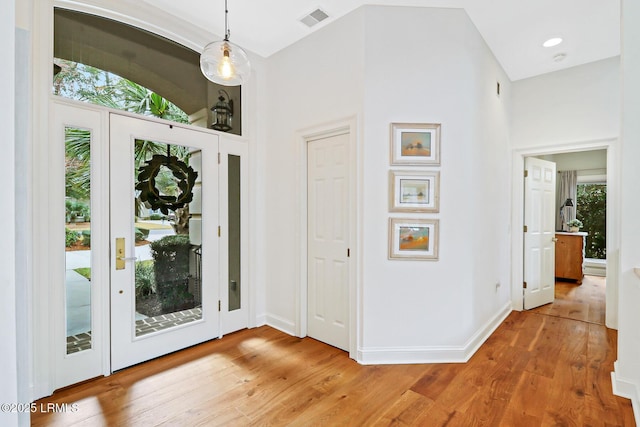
410,409
458,395
436,378
537,369
545,349
565,405
376,385
531,388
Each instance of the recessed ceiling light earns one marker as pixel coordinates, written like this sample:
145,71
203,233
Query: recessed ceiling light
552,42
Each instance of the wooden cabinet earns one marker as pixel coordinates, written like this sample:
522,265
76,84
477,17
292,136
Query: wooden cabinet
570,256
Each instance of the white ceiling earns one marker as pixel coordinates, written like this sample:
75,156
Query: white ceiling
513,29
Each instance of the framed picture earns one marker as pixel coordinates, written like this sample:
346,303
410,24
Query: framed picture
415,143
411,191
413,239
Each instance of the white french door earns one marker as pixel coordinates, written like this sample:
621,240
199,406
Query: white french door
129,282
164,246
539,237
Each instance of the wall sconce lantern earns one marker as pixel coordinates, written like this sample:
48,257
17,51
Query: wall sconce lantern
222,112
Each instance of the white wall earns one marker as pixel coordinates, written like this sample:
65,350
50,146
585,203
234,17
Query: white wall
399,65
315,81
627,368
24,242
8,285
577,104
431,65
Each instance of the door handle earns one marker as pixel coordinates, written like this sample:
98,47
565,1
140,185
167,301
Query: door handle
120,257
554,239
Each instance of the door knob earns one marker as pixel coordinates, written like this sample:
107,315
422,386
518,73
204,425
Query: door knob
554,239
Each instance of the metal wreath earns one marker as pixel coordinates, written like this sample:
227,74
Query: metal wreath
147,183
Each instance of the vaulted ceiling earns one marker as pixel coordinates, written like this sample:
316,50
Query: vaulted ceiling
514,29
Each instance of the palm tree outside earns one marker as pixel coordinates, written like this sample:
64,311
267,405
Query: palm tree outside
88,84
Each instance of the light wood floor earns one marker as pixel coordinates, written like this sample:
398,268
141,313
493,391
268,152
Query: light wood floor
545,367
584,302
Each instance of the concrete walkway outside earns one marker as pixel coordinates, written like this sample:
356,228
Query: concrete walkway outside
78,288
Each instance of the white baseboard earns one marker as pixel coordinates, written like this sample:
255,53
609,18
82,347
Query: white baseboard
436,354
261,320
595,267
280,323
627,389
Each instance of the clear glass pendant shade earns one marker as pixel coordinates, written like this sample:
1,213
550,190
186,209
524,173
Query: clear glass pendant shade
224,63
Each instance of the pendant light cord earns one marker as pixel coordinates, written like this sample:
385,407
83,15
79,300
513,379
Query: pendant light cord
227,33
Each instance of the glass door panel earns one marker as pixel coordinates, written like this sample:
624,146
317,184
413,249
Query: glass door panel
77,229
78,264
234,235
164,283
168,241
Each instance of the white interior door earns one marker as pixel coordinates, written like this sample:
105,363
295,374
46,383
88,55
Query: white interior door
539,237
169,256
328,240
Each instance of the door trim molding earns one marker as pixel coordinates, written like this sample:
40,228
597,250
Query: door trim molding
613,207
302,138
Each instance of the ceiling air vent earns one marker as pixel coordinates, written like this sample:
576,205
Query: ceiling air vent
313,18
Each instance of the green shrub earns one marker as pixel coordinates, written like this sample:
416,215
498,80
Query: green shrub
68,204
84,210
171,271
592,211
145,281
71,237
75,208
156,216
86,238
141,234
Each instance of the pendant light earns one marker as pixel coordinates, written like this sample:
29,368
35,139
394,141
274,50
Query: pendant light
223,62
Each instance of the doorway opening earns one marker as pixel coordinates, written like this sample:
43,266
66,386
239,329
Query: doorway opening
591,164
